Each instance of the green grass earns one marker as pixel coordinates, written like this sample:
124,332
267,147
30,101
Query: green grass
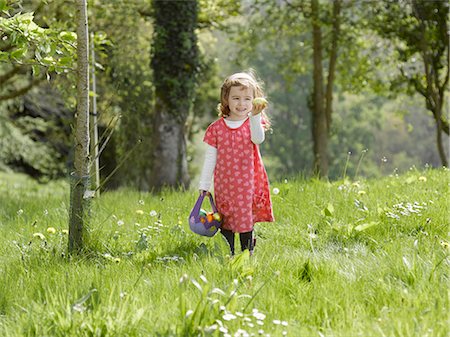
366,258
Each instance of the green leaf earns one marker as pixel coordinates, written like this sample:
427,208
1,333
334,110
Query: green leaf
36,70
68,36
365,226
19,53
2,5
329,210
64,61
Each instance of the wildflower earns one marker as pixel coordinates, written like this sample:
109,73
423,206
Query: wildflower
361,192
445,244
211,328
276,191
39,236
45,212
139,211
153,213
423,178
120,222
117,259
189,313
258,315
51,230
184,278
276,322
20,212
65,231
228,317
141,202
241,333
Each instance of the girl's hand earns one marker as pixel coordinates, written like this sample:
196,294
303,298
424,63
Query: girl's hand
259,104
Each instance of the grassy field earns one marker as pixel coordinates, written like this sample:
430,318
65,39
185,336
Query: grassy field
348,258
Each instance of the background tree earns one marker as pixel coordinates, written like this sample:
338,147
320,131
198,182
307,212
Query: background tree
322,94
79,185
175,64
34,128
418,30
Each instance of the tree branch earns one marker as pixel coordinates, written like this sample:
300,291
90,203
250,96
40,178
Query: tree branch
21,91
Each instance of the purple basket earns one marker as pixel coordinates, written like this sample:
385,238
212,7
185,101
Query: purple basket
207,228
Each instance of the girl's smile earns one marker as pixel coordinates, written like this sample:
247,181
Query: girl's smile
240,102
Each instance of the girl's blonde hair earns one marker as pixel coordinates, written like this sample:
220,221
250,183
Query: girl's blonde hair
243,79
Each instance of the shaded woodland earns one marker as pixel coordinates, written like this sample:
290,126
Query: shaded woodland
355,87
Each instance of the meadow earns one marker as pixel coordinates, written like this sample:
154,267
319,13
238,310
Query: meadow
353,257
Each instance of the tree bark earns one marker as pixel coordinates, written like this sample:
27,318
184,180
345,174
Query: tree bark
80,176
175,63
319,118
332,63
170,162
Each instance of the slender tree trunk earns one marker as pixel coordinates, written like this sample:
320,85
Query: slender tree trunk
319,118
80,177
95,171
332,64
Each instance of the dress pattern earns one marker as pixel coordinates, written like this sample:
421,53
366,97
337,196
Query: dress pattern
241,186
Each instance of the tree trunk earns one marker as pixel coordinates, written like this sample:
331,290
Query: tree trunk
80,176
332,64
319,118
175,63
170,163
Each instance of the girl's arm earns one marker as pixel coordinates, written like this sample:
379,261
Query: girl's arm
208,168
256,129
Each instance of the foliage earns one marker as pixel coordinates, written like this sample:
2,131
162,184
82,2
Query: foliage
28,43
145,273
175,55
419,32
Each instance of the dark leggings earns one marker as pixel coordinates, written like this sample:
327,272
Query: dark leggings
245,238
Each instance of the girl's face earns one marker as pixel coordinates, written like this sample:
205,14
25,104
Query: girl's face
240,102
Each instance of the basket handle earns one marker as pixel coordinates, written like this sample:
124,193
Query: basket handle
196,209
213,205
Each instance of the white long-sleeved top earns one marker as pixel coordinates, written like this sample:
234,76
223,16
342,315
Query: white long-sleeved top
257,137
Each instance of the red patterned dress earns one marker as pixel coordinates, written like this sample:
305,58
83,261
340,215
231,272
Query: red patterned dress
241,186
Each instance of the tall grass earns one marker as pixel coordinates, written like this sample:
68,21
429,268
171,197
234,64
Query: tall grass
348,258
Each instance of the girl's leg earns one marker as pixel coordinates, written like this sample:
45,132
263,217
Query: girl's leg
229,235
247,241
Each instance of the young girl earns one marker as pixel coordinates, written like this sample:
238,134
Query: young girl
241,186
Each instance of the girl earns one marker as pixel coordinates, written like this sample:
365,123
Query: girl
241,185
